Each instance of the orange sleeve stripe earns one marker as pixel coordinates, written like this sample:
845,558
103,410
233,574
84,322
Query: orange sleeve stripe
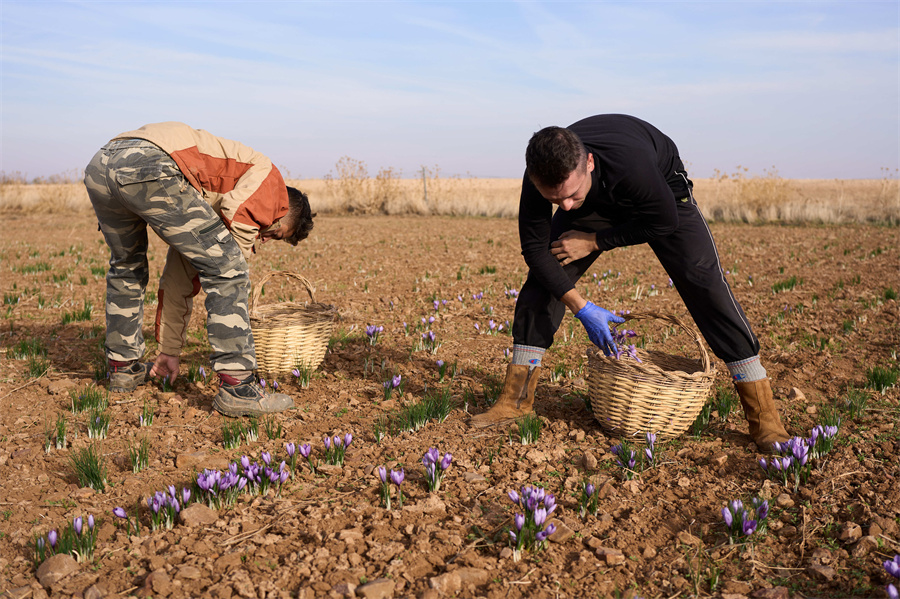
205,171
259,209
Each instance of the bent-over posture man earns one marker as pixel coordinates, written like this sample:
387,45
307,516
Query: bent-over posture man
209,199
619,181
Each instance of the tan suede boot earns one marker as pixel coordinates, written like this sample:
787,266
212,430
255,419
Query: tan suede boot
516,399
759,409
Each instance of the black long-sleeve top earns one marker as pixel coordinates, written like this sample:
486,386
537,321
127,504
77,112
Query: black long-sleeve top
637,178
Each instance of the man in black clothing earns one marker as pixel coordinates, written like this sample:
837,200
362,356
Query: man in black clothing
619,181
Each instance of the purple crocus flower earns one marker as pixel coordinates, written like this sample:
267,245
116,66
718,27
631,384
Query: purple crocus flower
203,372
893,566
266,458
762,510
439,363
382,474
52,537
290,448
589,489
262,383
749,527
540,515
90,521
737,506
726,515
892,592
245,462
305,450
283,476
398,476
513,496
348,439
185,495
296,373
395,382
445,463
78,523
763,464
519,520
550,503
119,512
327,441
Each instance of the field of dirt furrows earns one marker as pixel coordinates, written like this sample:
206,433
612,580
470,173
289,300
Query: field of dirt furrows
822,299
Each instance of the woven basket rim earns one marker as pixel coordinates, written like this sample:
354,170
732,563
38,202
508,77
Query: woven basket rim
287,313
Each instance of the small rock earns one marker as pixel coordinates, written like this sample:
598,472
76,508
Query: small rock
350,536
684,482
330,469
83,493
94,592
446,584
345,589
865,546
719,459
784,501
61,386
589,460
736,587
536,456
875,530
188,572
820,555
796,394
649,552
577,434
607,490
473,477
788,531
55,568
506,553
811,410
850,532
381,588
157,583
593,542
687,538
431,593
198,514
821,573
563,533
18,593
632,486
473,576
772,593
613,557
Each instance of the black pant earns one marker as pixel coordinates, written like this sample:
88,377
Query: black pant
690,258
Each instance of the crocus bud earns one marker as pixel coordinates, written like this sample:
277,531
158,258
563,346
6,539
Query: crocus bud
513,496
398,476
90,521
726,515
348,439
327,441
78,523
52,537
589,489
266,457
290,448
519,520
119,512
445,463
382,474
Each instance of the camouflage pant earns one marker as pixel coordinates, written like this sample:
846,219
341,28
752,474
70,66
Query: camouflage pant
132,183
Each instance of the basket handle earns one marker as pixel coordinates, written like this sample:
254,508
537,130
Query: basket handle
671,318
254,298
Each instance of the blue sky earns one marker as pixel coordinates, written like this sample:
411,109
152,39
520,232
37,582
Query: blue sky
809,88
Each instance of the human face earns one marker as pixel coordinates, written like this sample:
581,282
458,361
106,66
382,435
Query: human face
571,193
278,230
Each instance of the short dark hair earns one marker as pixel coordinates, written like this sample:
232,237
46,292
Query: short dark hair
300,215
553,153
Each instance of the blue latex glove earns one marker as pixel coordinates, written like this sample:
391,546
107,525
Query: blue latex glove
596,322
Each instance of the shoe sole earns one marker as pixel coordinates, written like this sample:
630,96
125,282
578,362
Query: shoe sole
237,412
131,386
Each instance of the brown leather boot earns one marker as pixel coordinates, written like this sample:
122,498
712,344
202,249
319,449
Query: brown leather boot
516,399
759,409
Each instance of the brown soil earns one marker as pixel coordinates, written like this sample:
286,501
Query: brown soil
328,534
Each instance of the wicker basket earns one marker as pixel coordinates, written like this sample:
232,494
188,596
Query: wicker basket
289,335
663,394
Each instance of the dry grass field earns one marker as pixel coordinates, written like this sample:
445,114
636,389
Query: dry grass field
738,197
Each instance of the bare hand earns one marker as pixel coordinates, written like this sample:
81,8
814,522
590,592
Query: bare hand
165,366
573,245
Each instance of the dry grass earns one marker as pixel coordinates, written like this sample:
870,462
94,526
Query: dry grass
738,197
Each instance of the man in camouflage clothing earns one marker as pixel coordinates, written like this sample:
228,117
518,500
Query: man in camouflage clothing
209,199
